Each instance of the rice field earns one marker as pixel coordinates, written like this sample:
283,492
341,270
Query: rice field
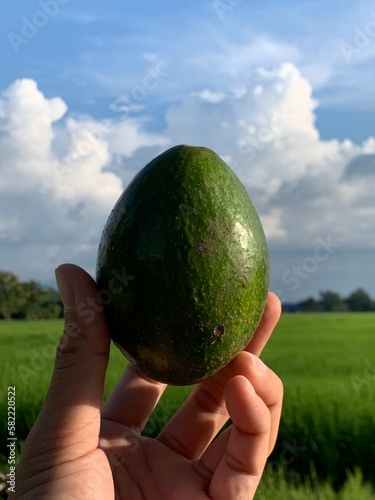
326,444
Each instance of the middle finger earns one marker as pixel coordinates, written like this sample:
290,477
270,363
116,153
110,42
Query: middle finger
133,399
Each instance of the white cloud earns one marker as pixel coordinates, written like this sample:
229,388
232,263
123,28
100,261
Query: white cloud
127,136
294,177
239,59
56,190
210,96
60,177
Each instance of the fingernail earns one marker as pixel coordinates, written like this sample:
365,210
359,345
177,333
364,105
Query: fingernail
65,289
261,367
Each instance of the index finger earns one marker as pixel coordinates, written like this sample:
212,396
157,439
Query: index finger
271,315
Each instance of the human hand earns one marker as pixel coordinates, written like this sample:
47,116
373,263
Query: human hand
79,450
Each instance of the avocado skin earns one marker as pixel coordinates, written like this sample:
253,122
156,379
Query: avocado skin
191,250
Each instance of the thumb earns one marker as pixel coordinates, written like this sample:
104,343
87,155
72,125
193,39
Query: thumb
75,394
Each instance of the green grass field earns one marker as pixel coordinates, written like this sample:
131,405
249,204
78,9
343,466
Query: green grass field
326,444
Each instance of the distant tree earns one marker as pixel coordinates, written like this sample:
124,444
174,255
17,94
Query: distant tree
310,305
332,301
39,302
360,300
27,300
52,306
11,294
33,297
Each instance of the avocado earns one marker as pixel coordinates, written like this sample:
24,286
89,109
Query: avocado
183,267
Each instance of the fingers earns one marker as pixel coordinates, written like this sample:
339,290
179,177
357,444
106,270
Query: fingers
194,425
236,459
73,402
197,422
271,316
268,388
133,399
241,466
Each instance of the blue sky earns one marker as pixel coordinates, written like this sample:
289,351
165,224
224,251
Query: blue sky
90,55
214,72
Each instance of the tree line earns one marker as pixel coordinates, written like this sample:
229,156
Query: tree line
28,299
32,300
329,301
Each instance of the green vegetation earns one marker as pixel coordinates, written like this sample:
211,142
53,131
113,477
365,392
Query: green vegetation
27,300
326,445
329,301
327,364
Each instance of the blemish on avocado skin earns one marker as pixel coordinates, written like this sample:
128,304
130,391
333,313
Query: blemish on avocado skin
204,247
219,331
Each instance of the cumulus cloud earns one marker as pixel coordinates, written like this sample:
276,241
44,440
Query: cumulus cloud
56,190
61,175
267,133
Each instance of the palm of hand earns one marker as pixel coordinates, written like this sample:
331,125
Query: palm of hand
147,468
185,460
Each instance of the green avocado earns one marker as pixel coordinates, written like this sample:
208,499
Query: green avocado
183,267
